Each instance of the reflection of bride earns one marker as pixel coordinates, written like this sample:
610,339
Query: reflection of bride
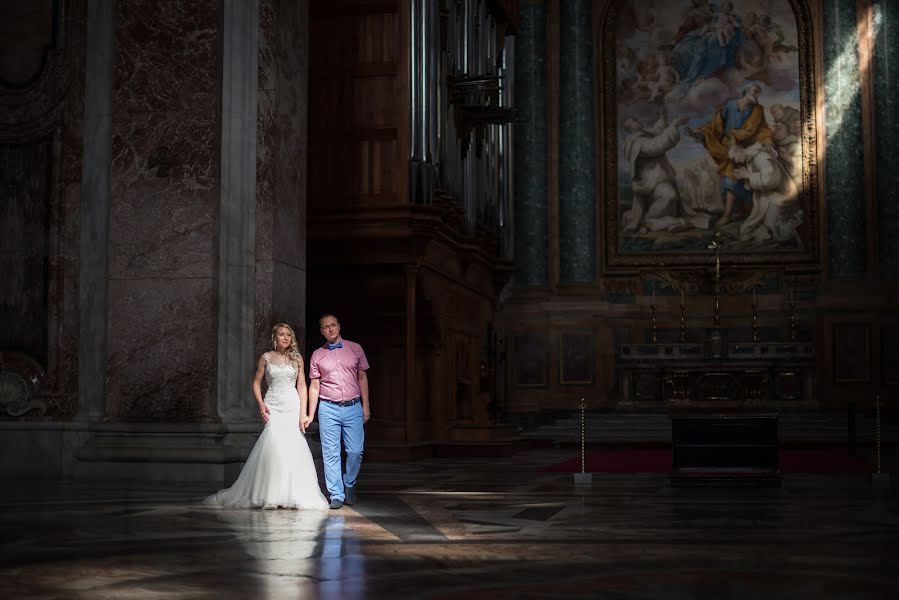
283,548
306,554
274,537
279,471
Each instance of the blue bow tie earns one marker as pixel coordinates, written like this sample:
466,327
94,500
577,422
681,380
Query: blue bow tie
337,345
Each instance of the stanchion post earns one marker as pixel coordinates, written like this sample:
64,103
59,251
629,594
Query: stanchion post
879,479
583,478
877,429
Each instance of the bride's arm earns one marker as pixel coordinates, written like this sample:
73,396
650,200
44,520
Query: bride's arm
257,388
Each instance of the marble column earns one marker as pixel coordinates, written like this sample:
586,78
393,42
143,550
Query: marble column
845,169
886,134
281,156
237,211
96,190
164,212
530,148
577,151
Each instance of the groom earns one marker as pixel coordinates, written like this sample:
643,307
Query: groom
337,377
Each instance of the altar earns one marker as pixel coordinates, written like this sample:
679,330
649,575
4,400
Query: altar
745,376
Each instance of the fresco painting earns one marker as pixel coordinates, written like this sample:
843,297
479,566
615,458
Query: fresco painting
708,126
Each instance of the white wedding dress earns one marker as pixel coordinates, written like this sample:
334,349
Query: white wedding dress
279,473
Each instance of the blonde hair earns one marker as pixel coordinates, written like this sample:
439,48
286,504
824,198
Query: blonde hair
293,351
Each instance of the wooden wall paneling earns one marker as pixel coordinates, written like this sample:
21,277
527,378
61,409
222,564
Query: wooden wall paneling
386,389
889,357
410,348
357,103
451,365
605,357
461,377
529,365
576,359
433,384
851,353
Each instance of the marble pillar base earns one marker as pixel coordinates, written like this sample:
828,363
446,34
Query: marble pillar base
481,433
39,451
189,452
149,452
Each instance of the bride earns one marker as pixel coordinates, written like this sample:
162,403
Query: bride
279,471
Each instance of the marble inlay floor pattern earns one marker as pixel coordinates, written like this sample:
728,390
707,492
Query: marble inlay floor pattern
435,529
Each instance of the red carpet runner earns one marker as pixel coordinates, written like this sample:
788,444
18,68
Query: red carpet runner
792,460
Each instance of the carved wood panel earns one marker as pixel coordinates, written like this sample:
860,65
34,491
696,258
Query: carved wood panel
355,119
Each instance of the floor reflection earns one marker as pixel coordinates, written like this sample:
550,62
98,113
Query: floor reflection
502,528
342,565
284,547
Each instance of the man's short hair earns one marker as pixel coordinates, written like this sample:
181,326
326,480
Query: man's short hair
325,316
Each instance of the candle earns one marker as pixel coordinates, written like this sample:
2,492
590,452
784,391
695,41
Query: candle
653,294
753,296
791,295
682,297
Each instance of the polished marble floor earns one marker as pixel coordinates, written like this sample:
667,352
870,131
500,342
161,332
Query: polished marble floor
439,529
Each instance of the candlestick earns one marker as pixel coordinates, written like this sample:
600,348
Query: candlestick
716,340
717,308
583,437
652,310
716,246
682,297
792,318
755,321
683,318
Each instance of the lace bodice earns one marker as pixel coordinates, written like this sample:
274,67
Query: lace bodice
279,374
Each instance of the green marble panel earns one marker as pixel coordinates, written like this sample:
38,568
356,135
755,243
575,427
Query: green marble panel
886,134
577,151
845,169
530,148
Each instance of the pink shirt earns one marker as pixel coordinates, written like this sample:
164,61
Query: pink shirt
338,370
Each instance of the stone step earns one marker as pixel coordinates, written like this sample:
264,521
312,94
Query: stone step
829,426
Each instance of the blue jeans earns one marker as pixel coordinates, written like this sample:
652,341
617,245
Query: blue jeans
336,422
